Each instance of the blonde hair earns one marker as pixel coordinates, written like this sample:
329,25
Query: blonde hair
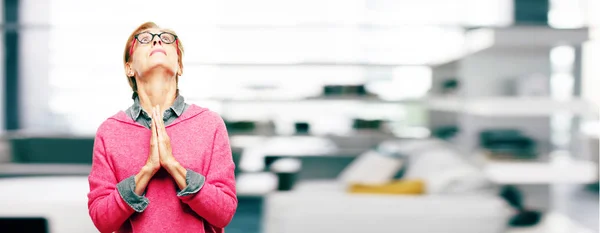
128,52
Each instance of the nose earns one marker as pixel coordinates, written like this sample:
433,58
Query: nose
156,40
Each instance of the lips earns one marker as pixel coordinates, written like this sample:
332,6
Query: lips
158,51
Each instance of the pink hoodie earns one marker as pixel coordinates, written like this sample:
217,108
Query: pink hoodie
199,142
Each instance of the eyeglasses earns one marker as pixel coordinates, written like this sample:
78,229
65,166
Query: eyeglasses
147,37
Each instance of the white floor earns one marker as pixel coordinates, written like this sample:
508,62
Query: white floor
581,205
555,223
576,211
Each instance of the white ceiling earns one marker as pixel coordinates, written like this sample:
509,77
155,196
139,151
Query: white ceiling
286,12
403,32
274,31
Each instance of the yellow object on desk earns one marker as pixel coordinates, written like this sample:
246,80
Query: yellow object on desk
407,187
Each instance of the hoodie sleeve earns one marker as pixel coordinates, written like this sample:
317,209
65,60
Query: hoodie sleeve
106,207
216,200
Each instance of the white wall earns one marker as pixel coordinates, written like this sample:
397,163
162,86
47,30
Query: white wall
485,75
440,74
2,75
34,65
591,69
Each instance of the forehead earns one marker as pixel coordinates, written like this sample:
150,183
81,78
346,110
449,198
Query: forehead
156,30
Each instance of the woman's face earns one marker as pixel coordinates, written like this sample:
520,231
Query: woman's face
154,50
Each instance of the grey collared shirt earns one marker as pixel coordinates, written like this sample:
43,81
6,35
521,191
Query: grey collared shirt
137,113
126,187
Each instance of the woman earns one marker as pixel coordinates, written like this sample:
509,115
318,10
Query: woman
162,165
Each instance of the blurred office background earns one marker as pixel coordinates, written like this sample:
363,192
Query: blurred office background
344,115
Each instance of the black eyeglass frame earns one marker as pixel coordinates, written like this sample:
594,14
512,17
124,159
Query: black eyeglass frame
159,36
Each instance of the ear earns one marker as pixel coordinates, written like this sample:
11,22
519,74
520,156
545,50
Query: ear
180,70
129,70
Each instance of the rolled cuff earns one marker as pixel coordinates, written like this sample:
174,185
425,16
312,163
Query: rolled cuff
194,182
127,191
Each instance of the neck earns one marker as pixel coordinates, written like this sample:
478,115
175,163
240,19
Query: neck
156,89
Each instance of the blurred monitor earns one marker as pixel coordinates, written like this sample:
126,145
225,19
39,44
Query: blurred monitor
20,225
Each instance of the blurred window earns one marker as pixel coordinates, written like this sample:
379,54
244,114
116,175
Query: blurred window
256,50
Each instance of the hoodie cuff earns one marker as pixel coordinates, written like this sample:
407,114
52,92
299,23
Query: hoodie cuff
194,182
126,189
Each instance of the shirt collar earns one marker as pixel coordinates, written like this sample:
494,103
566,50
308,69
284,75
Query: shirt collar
177,107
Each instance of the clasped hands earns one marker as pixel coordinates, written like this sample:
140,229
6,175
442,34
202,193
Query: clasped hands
160,155
160,144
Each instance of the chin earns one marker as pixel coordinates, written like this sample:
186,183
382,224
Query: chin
161,67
